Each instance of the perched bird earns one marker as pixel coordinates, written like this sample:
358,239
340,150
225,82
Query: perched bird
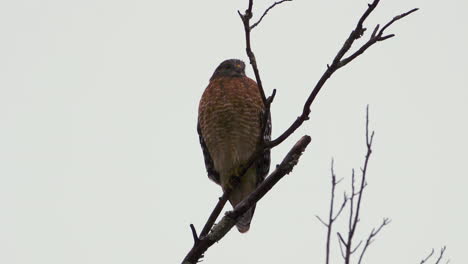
230,117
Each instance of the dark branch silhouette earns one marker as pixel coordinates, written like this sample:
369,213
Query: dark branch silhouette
371,236
230,218
355,211
439,259
428,257
353,201
266,12
331,217
209,234
339,62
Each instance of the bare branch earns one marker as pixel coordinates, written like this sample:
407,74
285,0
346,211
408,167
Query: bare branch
351,201
397,18
354,219
376,37
441,255
248,48
341,243
321,221
230,219
215,213
371,236
194,234
337,63
428,257
439,259
355,200
266,11
343,204
331,218
356,248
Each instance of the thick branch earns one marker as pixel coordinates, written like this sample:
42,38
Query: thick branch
229,220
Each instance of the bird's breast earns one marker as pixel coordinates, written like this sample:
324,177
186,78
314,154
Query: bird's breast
229,118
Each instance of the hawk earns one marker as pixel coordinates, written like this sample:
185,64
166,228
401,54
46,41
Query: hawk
230,117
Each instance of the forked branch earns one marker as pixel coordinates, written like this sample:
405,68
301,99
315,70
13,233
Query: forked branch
372,235
347,243
331,215
339,62
230,219
439,258
266,12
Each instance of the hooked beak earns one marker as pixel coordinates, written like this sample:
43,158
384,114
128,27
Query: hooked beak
238,68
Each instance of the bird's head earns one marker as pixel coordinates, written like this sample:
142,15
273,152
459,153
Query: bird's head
229,68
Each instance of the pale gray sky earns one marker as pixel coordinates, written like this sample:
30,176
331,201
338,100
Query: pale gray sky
99,155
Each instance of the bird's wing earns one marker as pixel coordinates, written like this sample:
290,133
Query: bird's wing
263,163
212,173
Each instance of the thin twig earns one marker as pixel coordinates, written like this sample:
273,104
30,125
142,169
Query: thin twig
375,37
439,258
441,255
321,221
337,63
194,234
371,236
246,17
331,217
342,244
266,11
428,257
356,248
355,218
343,204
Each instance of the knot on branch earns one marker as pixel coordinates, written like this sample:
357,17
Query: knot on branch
359,32
248,14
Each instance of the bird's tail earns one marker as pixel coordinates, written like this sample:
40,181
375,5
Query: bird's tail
243,223
247,185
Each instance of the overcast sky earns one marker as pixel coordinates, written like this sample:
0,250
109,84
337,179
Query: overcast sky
99,155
